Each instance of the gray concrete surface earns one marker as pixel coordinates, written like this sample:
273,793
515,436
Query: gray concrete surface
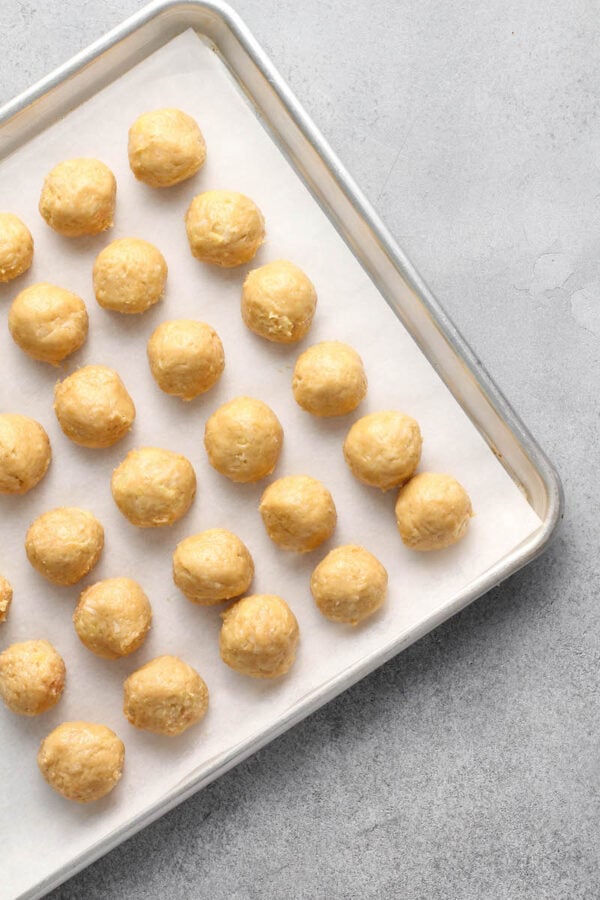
468,766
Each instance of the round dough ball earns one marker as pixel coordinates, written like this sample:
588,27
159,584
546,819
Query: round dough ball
32,677
278,302
47,322
93,407
81,760
212,566
432,511
224,228
259,636
329,379
129,276
6,595
78,197
154,487
243,439
383,449
165,696
186,358
298,512
165,147
24,453
64,544
113,617
349,585
16,247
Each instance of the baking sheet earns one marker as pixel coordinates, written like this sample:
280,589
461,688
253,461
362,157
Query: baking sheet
39,831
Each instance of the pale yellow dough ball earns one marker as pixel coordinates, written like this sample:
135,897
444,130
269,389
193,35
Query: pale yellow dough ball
212,566
64,544
186,358
6,595
224,228
24,453
93,407
16,247
113,617
329,379
383,449
243,439
432,511
81,760
165,696
78,197
153,487
48,322
129,276
298,512
349,585
165,147
259,636
32,677
278,302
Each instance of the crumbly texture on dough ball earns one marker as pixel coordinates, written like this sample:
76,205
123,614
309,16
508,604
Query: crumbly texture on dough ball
383,449
224,228
78,197
259,636
349,585
32,677
129,276
329,379
186,357
298,512
81,760
24,453
432,511
113,617
6,595
64,544
212,566
279,302
165,147
153,487
48,322
16,247
165,696
243,439
93,407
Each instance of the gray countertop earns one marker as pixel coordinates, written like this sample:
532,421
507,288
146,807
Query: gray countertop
467,767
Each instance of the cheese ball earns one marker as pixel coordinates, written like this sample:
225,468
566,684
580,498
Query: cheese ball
16,247
298,513
78,197
24,453
47,322
278,302
129,276
186,358
329,379
165,696
224,228
349,585
64,544
113,617
212,566
259,636
432,511
165,147
81,760
153,487
6,595
93,407
243,439
32,677
383,449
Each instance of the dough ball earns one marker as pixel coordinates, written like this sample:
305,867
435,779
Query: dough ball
64,544
165,696
186,358
243,439
32,677
224,228
329,379
154,487
212,566
113,617
298,512
349,585
432,511
165,147
6,595
81,760
24,453
93,407
383,449
47,322
259,636
16,247
129,276
78,197
278,302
